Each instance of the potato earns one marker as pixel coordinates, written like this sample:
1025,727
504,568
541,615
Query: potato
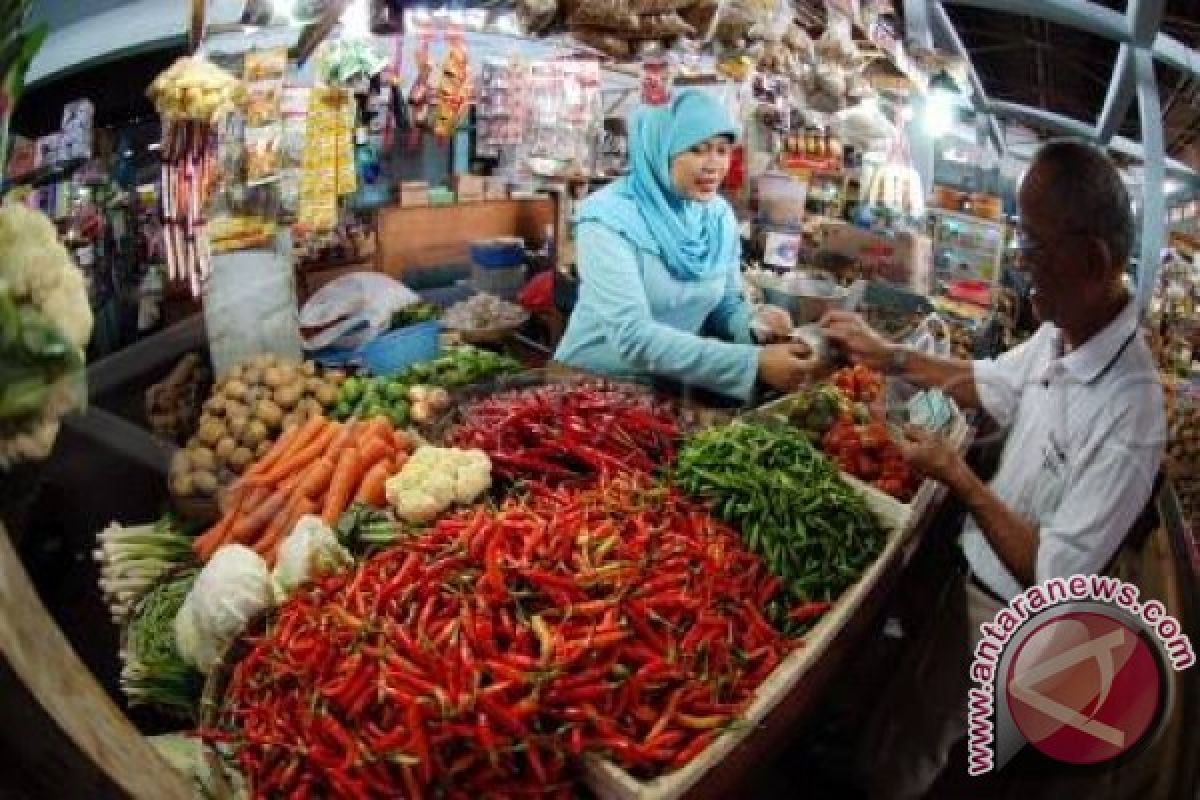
269,413
252,376
308,368
210,433
236,390
215,405
181,462
236,409
240,459
203,459
327,395
263,361
263,448
311,406
256,432
313,385
292,419
235,372
204,482
181,484
237,425
225,448
274,377
286,397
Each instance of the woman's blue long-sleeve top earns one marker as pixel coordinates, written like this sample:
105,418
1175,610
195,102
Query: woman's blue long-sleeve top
634,319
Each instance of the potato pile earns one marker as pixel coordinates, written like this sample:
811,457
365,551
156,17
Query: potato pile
248,409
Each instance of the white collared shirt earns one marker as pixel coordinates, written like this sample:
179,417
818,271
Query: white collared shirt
1085,441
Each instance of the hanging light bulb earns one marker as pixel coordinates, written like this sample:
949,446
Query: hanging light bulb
941,105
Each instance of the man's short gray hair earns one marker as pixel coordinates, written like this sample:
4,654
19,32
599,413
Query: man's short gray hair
1090,193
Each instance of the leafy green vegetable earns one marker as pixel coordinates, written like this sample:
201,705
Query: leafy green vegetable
813,530
154,673
362,527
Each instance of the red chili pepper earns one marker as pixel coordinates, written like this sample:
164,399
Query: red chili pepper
809,611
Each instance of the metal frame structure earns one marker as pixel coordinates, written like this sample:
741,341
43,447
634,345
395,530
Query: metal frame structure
1141,43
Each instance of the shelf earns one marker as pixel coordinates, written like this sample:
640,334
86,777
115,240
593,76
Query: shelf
988,251
45,175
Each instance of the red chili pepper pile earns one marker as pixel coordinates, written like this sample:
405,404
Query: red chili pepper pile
570,433
483,657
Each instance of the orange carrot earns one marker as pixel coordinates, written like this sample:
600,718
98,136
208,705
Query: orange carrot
254,521
376,426
293,439
374,449
282,447
208,542
403,441
316,480
301,458
346,477
268,545
371,490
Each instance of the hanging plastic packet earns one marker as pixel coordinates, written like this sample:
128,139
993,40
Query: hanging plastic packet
656,80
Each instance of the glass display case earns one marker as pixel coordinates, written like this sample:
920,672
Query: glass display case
966,247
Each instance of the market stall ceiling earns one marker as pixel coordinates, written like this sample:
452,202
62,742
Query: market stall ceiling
1042,64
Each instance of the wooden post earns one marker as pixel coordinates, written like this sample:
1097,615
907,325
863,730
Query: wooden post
196,25
315,34
60,734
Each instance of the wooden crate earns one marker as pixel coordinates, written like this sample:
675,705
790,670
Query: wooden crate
609,782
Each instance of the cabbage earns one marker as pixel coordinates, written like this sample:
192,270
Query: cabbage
233,587
310,551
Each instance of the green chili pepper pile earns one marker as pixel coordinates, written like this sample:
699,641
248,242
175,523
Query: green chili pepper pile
814,531
483,658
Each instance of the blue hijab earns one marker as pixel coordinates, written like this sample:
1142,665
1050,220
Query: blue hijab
694,240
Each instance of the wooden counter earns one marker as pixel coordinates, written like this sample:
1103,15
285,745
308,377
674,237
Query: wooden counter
429,236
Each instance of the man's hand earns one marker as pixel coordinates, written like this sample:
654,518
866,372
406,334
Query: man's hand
930,455
863,345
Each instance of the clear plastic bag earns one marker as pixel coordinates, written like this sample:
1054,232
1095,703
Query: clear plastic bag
353,310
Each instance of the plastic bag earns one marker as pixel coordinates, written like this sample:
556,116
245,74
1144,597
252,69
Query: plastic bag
931,337
352,310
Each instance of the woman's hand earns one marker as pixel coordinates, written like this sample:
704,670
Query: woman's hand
863,345
785,366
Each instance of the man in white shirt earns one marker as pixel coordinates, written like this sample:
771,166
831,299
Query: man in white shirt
1080,400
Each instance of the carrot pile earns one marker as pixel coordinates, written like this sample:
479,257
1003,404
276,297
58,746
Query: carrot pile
320,467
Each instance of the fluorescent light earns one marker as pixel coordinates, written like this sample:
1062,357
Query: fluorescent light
284,10
939,113
356,20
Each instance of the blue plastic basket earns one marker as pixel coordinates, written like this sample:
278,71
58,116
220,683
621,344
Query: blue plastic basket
498,253
388,353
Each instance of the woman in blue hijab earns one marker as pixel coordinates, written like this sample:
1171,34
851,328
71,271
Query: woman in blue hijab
659,265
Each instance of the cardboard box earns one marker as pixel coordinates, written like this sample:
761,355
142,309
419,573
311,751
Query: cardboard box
495,188
467,188
414,194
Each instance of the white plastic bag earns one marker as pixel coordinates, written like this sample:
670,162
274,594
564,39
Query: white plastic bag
352,310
